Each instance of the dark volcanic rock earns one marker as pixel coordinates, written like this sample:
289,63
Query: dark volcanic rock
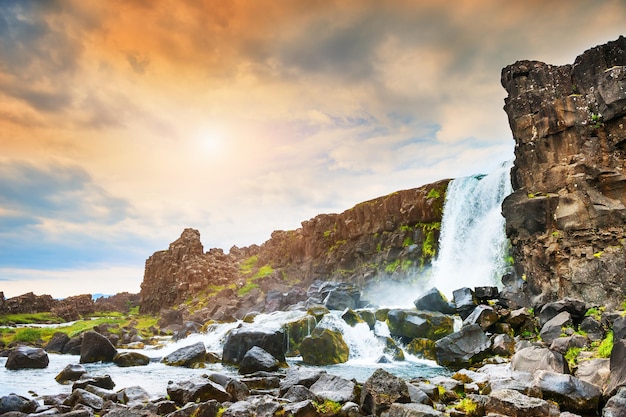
96,348
467,346
71,372
567,216
57,342
187,356
434,300
17,403
257,359
569,392
534,358
419,324
126,359
324,347
24,357
381,390
239,341
465,301
196,389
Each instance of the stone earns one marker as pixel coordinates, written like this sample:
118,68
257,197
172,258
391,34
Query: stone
299,393
257,359
465,347
196,389
419,324
338,299
24,357
324,347
239,341
563,344
101,381
616,405
569,392
617,366
484,316
351,317
515,404
237,389
188,356
619,328
126,359
534,358
503,345
465,301
575,308
57,342
298,376
80,396
334,388
514,295
135,395
413,410
595,371
593,328
553,328
434,300
381,390
485,294
300,409
71,372
96,348
17,403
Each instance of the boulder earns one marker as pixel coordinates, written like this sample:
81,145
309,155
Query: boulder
617,367
188,356
514,295
465,301
196,390
96,348
575,308
619,328
239,341
422,347
352,317
563,344
101,381
484,316
24,357
334,388
554,327
595,371
257,359
71,372
485,294
616,405
569,392
465,347
298,376
17,403
535,358
324,347
419,324
593,328
413,410
503,345
201,409
299,393
135,395
304,408
57,342
507,402
381,390
237,389
126,359
80,396
434,300
72,347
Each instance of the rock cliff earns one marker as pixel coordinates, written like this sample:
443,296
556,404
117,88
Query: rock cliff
566,217
387,237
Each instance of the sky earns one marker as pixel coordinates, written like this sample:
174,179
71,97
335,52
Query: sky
122,122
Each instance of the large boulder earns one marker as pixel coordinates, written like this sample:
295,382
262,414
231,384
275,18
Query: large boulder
569,392
57,342
381,390
575,308
96,348
434,300
239,341
616,405
299,376
196,389
86,398
127,359
617,367
334,388
483,315
71,372
507,402
419,324
188,356
465,347
17,403
413,410
24,357
595,371
535,358
257,359
553,328
324,347
465,301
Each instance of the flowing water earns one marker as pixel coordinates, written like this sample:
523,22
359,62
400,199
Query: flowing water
473,246
472,252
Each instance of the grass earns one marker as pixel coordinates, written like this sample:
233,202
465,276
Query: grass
468,406
433,193
606,346
571,356
327,408
30,318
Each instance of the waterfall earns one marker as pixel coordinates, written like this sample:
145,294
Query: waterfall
473,246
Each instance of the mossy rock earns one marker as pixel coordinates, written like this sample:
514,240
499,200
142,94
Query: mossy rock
352,317
422,347
324,347
318,312
296,331
381,314
391,348
419,324
369,317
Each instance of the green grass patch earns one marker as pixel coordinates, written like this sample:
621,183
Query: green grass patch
433,193
606,346
248,265
571,356
327,408
30,318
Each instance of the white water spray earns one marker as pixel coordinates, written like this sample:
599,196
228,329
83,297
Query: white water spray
473,245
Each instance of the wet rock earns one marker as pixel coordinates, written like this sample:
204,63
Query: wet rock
535,358
188,356
467,346
324,347
334,388
102,381
351,317
257,359
24,357
342,298
239,341
126,359
196,389
96,348
485,294
511,403
71,372
57,342
484,316
434,300
413,410
422,347
135,395
72,347
80,396
465,301
553,328
13,403
569,392
419,324
381,390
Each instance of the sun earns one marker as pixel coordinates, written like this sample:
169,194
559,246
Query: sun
209,140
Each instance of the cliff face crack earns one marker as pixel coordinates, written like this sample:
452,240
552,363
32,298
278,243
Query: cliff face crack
574,117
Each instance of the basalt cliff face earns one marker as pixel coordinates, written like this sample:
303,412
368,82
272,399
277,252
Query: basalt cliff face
567,216
388,237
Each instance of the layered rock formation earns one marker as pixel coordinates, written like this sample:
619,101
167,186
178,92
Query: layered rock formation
566,217
387,237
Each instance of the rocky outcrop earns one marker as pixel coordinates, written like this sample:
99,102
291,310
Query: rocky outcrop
567,216
384,238
27,303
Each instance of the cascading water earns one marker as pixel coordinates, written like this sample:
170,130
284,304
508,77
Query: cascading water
473,245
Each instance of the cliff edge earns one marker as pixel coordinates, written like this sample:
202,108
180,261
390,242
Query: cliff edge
567,216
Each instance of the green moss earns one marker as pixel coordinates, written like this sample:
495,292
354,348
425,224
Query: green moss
433,193
571,356
27,335
264,271
30,318
408,241
337,244
248,265
392,266
606,346
468,406
327,407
